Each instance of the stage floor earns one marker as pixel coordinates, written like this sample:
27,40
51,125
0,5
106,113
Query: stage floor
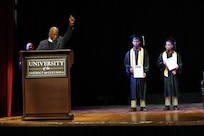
119,115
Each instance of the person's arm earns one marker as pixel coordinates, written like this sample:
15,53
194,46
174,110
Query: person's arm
67,36
146,62
41,45
179,62
19,63
127,63
160,63
69,32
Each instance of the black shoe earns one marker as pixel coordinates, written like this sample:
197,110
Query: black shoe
167,108
143,109
175,108
132,109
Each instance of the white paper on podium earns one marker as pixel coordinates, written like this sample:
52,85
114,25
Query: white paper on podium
138,71
171,63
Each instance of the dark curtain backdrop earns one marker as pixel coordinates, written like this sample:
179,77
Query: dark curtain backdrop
6,54
101,39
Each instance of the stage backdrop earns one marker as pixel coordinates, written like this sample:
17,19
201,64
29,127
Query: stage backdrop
100,41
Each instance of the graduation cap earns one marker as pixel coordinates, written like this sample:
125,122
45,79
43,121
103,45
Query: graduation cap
172,40
137,37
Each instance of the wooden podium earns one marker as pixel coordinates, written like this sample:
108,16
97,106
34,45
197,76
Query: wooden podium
46,84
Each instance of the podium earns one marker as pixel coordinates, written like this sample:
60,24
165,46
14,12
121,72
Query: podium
46,84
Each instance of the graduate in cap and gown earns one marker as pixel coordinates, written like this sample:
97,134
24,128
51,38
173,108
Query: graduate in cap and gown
170,64
136,62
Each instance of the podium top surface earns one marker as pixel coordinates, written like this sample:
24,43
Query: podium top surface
48,51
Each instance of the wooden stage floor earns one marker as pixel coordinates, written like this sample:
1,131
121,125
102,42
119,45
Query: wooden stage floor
119,115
